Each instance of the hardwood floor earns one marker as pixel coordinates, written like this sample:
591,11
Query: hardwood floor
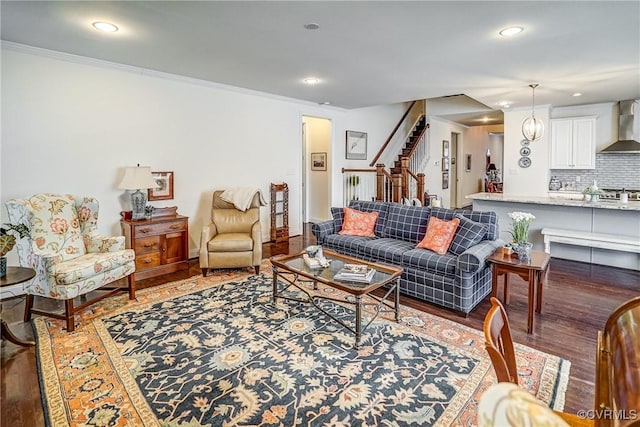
578,299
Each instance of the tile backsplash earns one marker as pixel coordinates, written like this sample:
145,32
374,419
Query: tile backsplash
613,170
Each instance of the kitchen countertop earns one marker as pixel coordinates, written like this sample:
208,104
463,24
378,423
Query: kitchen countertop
558,201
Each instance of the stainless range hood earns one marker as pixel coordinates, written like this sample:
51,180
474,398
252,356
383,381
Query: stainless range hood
628,132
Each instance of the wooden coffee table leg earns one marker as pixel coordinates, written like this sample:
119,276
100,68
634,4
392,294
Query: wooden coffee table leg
6,334
358,319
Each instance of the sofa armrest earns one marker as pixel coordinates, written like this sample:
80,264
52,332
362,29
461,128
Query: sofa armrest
323,229
474,258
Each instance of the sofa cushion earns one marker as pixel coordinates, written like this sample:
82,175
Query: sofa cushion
488,218
424,259
358,223
468,234
408,223
381,207
347,245
439,235
384,250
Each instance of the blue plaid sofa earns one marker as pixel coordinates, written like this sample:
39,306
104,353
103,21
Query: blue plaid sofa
458,280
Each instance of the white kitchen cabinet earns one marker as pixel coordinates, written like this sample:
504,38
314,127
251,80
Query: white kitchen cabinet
573,143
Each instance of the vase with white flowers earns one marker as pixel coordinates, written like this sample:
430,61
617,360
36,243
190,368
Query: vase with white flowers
520,233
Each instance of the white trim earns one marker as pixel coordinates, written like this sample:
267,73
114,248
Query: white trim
69,57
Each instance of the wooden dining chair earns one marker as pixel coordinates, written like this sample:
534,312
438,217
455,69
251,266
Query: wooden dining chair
499,344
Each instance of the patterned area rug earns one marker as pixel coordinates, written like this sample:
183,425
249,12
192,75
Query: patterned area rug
216,351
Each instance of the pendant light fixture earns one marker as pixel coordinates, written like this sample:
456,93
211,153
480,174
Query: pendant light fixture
532,128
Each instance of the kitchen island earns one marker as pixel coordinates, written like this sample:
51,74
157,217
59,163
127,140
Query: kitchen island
607,216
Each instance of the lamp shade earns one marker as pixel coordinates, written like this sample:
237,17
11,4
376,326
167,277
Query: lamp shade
136,177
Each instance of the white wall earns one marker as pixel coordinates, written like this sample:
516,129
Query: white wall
71,124
477,140
377,122
318,141
71,127
534,180
441,129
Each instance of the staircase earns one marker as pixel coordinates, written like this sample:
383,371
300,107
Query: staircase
406,151
409,146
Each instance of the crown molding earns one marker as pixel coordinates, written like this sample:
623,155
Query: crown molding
85,60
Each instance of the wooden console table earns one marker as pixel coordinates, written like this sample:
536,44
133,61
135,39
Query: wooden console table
533,272
14,276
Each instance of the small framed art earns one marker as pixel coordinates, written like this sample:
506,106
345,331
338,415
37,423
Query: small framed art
165,186
445,163
445,148
318,161
467,163
356,145
445,180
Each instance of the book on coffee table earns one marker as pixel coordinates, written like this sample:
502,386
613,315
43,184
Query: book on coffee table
355,273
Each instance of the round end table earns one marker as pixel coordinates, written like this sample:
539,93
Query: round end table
14,276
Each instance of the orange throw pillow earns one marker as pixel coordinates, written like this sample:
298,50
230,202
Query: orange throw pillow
358,223
439,235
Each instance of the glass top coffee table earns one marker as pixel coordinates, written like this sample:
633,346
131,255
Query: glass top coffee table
293,271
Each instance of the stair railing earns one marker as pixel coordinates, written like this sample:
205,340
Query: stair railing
394,140
358,184
382,184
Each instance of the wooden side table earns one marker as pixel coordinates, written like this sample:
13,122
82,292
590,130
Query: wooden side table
14,276
533,272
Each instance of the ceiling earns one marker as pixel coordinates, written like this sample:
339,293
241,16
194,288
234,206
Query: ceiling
364,53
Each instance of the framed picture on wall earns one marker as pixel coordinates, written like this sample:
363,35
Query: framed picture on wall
445,180
356,145
445,148
165,186
467,163
445,163
318,161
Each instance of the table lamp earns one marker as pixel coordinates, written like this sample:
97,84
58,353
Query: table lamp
136,178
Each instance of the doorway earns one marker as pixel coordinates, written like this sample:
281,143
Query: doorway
316,168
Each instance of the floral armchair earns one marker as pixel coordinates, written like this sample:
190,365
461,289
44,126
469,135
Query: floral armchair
69,257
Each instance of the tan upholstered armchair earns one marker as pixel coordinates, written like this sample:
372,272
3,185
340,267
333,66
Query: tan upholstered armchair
233,239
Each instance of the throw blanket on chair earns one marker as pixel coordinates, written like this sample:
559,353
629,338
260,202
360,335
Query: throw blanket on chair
241,197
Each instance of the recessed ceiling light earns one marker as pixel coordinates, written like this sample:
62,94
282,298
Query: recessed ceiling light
311,26
504,104
577,94
511,31
326,103
311,81
107,27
